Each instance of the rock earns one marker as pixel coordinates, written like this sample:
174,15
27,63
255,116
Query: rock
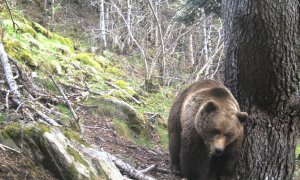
103,163
66,158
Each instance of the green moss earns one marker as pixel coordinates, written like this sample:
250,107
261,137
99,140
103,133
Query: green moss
12,130
13,48
38,28
2,117
52,67
65,41
87,58
122,128
26,57
77,157
122,84
36,131
72,135
102,60
158,102
72,171
25,28
21,27
163,135
115,71
64,109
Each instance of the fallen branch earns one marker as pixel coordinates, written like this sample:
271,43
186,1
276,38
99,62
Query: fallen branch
43,116
76,118
148,169
30,87
12,84
133,98
81,89
162,170
129,170
4,147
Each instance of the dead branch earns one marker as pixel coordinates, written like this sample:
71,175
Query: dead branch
82,89
129,170
162,170
43,116
76,118
10,14
116,87
148,169
30,87
12,84
4,147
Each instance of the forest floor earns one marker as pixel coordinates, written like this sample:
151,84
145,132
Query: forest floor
99,132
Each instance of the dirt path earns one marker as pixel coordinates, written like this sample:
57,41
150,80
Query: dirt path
100,132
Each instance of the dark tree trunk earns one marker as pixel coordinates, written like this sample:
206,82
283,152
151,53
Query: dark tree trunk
261,70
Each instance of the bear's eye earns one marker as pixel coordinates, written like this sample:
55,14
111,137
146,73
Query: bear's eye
229,135
215,131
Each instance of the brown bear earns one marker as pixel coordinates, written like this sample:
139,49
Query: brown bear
205,129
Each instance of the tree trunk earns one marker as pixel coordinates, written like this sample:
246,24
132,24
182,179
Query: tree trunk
261,70
102,25
129,24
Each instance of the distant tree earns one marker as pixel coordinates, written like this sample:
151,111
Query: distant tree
194,9
261,69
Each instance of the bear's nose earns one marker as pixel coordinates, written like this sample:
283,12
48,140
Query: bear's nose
218,151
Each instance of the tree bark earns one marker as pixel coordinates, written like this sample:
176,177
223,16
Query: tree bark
261,70
102,24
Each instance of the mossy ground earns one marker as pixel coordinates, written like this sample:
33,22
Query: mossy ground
46,52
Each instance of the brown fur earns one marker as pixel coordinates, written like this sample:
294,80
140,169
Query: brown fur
205,120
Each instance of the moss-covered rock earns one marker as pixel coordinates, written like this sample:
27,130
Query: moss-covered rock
27,58
65,41
13,48
39,28
88,59
26,28
125,86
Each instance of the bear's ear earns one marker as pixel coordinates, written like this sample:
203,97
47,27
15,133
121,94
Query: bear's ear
209,107
242,116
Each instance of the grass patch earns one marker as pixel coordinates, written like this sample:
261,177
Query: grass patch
163,135
144,140
159,102
2,117
122,128
64,109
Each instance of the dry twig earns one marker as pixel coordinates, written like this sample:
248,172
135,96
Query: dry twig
4,147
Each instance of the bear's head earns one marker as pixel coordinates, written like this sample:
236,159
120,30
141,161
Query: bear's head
219,127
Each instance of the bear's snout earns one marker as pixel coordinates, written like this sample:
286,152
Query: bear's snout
217,146
218,151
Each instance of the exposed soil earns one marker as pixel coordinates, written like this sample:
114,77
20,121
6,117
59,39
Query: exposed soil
17,166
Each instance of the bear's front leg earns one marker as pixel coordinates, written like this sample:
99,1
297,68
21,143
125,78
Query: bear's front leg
193,156
230,163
